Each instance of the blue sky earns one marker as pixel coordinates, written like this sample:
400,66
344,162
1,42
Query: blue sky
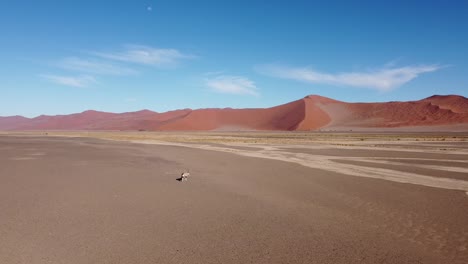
61,57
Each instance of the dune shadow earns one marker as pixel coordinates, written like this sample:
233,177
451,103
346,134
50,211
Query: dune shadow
179,179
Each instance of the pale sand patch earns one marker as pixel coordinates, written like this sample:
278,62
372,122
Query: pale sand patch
37,154
366,146
434,167
440,160
22,158
325,163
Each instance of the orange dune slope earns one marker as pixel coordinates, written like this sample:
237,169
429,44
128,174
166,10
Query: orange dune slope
310,113
434,111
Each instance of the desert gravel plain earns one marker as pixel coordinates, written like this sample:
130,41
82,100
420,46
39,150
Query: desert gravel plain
252,197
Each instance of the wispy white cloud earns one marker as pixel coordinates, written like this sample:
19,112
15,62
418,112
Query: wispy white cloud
146,55
94,66
74,81
213,73
232,85
83,69
383,79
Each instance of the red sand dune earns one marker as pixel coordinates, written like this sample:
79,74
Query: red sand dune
442,111
456,103
283,117
310,113
12,122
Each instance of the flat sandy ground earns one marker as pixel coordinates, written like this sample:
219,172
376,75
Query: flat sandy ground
249,199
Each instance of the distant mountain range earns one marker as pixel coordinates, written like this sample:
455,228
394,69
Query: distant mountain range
313,112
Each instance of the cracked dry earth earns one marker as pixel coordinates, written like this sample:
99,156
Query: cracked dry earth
84,200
